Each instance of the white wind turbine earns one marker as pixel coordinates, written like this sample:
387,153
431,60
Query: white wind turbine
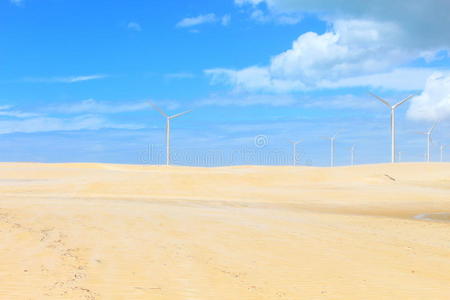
294,151
352,155
429,141
168,118
332,140
442,148
392,108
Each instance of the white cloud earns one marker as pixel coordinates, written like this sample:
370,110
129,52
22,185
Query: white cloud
252,79
6,111
226,19
353,47
92,106
71,79
252,2
401,79
351,51
46,124
255,79
288,19
263,16
201,19
340,102
424,23
87,117
367,44
434,102
17,2
134,26
82,78
247,100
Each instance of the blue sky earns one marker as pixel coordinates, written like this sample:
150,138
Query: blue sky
76,79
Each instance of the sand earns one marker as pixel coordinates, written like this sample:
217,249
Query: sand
101,231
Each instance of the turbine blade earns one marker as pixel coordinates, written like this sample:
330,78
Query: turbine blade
381,99
403,101
159,109
433,127
180,114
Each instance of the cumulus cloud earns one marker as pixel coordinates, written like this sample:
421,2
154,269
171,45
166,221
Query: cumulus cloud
351,49
134,26
366,44
424,22
433,104
252,79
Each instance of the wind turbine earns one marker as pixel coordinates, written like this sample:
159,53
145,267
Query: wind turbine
392,108
168,118
352,155
442,151
429,141
332,140
294,151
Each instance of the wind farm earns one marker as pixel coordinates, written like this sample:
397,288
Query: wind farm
224,150
261,231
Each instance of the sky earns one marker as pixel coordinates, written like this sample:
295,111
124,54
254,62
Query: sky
77,79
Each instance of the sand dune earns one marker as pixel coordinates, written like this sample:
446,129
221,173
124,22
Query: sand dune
103,231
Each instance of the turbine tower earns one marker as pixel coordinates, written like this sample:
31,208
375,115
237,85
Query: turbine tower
294,151
442,148
332,140
352,155
168,118
429,141
392,108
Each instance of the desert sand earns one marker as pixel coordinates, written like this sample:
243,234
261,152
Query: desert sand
103,231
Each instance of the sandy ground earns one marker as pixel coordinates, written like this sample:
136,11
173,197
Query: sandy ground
97,231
